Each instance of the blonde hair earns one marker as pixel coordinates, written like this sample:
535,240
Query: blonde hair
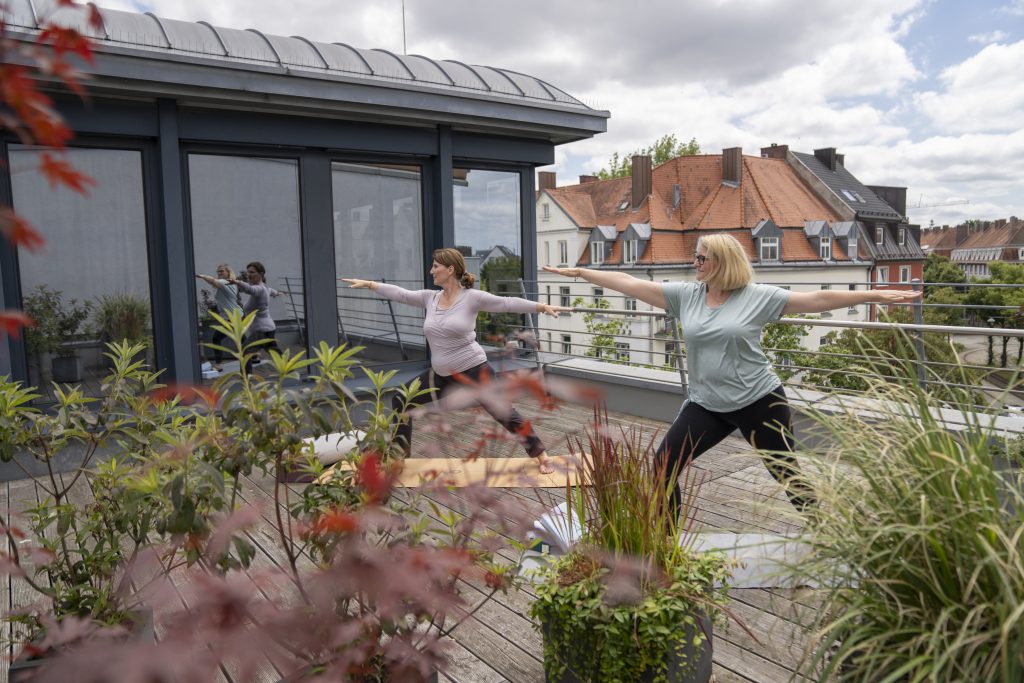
452,258
232,275
732,267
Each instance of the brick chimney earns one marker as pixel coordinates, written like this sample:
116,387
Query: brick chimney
961,233
545,180
588,179
775,152
641,179
827,156
732,165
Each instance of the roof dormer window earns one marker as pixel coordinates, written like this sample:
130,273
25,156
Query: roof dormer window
629,251
879,234
597,253
825,248
902,237
769,248
624,205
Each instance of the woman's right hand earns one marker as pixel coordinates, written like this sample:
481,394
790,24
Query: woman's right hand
564,272
359,284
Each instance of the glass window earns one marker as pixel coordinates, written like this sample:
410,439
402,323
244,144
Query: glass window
904,273
563,296
567,344
378,235
563,253
826,248
597,253
598,294
622,351
852,309
902,237
246,209
769,248
879,234
630,251
631,305
547,253
95,254
882,274
545,214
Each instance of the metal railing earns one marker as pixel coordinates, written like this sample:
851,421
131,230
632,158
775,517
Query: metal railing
626,335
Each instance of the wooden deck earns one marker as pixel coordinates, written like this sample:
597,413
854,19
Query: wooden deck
501,644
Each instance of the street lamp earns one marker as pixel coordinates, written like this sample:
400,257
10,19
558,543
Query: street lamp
991,357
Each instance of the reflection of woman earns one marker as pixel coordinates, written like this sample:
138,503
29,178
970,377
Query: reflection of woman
226,297
732,385
450,328
259,292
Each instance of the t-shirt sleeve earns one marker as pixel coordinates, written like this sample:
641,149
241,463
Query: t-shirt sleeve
675,293
417,297
768,302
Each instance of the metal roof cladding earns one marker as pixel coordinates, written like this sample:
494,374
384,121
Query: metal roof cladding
130,34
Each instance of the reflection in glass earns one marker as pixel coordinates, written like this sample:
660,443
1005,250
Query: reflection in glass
378,235
488,232
94,262
246,209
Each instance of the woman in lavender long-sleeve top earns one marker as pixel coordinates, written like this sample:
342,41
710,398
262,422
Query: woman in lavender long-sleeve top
450,328
259,292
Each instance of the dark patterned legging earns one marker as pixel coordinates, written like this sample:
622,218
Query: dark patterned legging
767,424
501,411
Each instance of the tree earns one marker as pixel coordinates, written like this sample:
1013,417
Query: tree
664,148
499,276
29,113
605,331
887,354
939,269
1002,274
781,343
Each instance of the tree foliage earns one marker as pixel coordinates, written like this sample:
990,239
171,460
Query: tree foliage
664,148
29,113
939,270
1002,274
889,354
604,331
781,343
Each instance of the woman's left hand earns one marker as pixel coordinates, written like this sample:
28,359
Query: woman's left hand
894,296
553,311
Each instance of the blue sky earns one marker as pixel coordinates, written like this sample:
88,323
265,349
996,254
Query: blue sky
918,93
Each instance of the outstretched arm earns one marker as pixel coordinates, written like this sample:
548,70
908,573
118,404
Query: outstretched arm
394,292
644,290
210,280
829,299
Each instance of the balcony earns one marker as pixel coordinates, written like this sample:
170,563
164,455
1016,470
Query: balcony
739,495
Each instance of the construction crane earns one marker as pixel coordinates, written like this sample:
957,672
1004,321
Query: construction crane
951,202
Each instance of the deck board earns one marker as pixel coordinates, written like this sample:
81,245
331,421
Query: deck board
500,644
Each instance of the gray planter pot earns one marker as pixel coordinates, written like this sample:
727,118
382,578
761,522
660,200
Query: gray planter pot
67,369
679,670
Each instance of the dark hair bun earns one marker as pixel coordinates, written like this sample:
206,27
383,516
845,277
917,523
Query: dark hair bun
467,280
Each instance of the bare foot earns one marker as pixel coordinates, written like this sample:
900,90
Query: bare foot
546,466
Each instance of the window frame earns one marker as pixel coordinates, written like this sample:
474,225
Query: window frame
597,253
879,234
564,296
905,270
770,243
901,237
545,212
825,248
563,252
630,251
566,344
881,274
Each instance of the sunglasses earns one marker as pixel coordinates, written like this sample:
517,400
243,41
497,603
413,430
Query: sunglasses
699,259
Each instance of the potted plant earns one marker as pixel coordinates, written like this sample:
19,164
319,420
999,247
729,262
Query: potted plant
57,322
122,317
71,552
918,541
630,601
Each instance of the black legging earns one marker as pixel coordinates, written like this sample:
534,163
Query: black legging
256,336
508,416
767,424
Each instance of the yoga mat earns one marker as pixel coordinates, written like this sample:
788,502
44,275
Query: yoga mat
492,472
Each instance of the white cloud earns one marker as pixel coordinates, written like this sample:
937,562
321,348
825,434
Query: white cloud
983,93
1016,7
986,38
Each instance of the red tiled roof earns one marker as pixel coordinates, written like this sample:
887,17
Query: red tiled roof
768,189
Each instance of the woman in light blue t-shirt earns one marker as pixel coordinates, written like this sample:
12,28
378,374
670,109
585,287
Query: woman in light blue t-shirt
732,384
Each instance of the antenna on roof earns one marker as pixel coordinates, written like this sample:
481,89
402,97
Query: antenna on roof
405,50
